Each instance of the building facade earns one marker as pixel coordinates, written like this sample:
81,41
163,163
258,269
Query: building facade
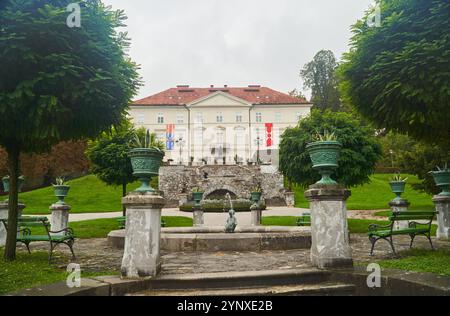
219,125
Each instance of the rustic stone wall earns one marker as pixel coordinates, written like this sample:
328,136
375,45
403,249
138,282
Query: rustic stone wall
176,181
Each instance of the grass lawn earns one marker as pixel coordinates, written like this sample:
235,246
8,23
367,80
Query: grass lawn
99,228
33,270
87,195
421,260
356,226
377,194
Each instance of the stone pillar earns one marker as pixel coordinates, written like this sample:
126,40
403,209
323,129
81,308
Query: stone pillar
256,214
442,203
290,199
183,198
198,216
400,205
60,217
329,229
4,215
141,257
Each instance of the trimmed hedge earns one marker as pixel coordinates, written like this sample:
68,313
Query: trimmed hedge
218,206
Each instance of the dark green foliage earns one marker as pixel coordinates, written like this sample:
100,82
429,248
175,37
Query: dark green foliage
58,83
109,156
397,75
319,75
358,157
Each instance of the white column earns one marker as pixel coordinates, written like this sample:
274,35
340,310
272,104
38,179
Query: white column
60,217
398,206
329,229
141,257
4,209
442,203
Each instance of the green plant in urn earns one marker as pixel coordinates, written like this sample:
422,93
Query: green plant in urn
61,189
197,195
398,184
442,179
146,156
255,194
324,154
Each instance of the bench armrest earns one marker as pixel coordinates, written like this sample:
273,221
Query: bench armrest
375,227
68,231
413,224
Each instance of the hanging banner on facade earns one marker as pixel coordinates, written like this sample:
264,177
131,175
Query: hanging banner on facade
170,136
269,134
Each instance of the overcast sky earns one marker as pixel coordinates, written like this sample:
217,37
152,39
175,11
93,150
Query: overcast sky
234,42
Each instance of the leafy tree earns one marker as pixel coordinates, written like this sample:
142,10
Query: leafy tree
359,155
411,156
109,154
319,75
297,94
397,74
58,83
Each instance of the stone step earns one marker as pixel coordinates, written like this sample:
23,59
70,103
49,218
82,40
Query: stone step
321,289
221,280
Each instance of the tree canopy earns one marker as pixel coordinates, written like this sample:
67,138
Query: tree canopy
358,157
319,75
58,83
397,75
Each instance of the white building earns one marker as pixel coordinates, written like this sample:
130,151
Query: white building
219,125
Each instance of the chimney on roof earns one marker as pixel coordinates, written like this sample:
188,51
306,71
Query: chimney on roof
211,86
225,86
254,86
183,86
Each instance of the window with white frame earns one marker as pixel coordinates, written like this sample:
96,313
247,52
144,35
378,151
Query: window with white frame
238,117
278,117
180,118
258,117
219,117
199,118
140,119
160,118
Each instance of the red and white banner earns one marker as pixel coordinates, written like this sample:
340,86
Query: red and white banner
269,134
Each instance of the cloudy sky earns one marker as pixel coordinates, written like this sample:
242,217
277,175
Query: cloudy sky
234,42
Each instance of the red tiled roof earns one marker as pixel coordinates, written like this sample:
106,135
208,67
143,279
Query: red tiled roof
183,95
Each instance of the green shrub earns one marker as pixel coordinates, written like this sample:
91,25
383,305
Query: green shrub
218,206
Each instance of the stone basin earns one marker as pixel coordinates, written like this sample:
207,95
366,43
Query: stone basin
212,239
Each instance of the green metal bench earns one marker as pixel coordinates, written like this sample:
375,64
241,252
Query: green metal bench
25,235
121,220
304,220
377,232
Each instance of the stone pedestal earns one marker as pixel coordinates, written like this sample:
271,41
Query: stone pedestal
256,215
141,257
60,217
183,199
198,217
400,205
4,215
289,198
329,229
442,203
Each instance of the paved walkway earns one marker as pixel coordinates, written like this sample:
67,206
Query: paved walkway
219,219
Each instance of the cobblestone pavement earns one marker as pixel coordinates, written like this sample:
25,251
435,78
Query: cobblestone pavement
96,255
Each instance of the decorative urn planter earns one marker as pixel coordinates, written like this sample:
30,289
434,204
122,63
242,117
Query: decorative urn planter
61,192
442,180
324,156
398,187
255,196
5,180
145,163
197,196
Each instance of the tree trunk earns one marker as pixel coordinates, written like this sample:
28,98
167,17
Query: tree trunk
13,207
124,193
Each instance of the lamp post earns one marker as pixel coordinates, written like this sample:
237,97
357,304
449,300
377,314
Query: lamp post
258,143
180,142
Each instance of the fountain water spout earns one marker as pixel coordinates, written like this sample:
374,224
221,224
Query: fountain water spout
231,223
